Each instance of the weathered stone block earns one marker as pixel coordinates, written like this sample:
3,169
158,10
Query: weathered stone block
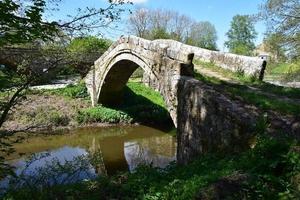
208,121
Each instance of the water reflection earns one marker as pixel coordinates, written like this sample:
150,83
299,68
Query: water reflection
88,152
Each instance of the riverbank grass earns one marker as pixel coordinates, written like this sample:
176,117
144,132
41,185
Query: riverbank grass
268,171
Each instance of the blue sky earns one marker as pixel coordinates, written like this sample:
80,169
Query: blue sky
218,12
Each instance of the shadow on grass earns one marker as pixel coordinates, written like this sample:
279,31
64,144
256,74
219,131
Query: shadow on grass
145,111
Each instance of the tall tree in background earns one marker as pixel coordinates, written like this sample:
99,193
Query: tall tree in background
241,35
139,23
166,24
283,20
204,35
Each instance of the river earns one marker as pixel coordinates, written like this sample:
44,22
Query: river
86,153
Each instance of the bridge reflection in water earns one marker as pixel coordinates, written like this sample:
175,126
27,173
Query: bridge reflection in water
108,150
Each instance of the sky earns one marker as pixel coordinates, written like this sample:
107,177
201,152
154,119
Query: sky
218,12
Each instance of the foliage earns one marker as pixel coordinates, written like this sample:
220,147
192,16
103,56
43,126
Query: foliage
86,49
159,33
241,35
273,45
166,24
283,19
22,24
25,21
204,35
72,91
90,44
284,71
102,114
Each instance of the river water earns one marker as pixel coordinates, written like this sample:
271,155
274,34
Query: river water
88,152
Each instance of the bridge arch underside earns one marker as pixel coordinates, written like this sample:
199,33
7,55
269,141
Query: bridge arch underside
116,76
111,91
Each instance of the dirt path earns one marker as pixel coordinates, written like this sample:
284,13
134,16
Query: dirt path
57,84
275,80
211,73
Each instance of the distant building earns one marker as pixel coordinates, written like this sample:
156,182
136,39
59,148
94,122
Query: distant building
264,56
262,53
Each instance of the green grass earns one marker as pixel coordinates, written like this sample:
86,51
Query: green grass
272,168
244,80
285,72
71,91
101,114
265,102
283,68
237,76
141,104
260,98
251,97
8,79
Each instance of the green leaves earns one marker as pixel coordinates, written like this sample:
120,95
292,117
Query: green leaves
24,26
283,19
241,35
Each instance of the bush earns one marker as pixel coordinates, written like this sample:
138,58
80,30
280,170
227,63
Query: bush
58,119
103,115
48,116
73,91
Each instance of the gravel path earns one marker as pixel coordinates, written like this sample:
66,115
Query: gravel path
57,84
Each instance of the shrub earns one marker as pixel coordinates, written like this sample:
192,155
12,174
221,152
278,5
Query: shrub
73,91
103,115
58,119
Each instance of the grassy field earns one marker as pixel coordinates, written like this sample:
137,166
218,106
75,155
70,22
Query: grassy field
283,68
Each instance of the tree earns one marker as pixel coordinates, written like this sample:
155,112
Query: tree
139,22
241,35
283,20
83,50
273,44
22,21
166,24
204,35
21,27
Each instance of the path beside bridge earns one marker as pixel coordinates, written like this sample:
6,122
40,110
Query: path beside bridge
212,73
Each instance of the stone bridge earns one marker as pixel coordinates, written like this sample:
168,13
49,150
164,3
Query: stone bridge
194,108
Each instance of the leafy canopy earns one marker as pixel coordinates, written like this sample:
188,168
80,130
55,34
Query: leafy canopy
21,24
283,20
241,35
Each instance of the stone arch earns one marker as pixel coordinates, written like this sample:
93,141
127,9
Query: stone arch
162,64
117,75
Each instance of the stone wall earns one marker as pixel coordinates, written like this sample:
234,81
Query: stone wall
251,66
209,122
